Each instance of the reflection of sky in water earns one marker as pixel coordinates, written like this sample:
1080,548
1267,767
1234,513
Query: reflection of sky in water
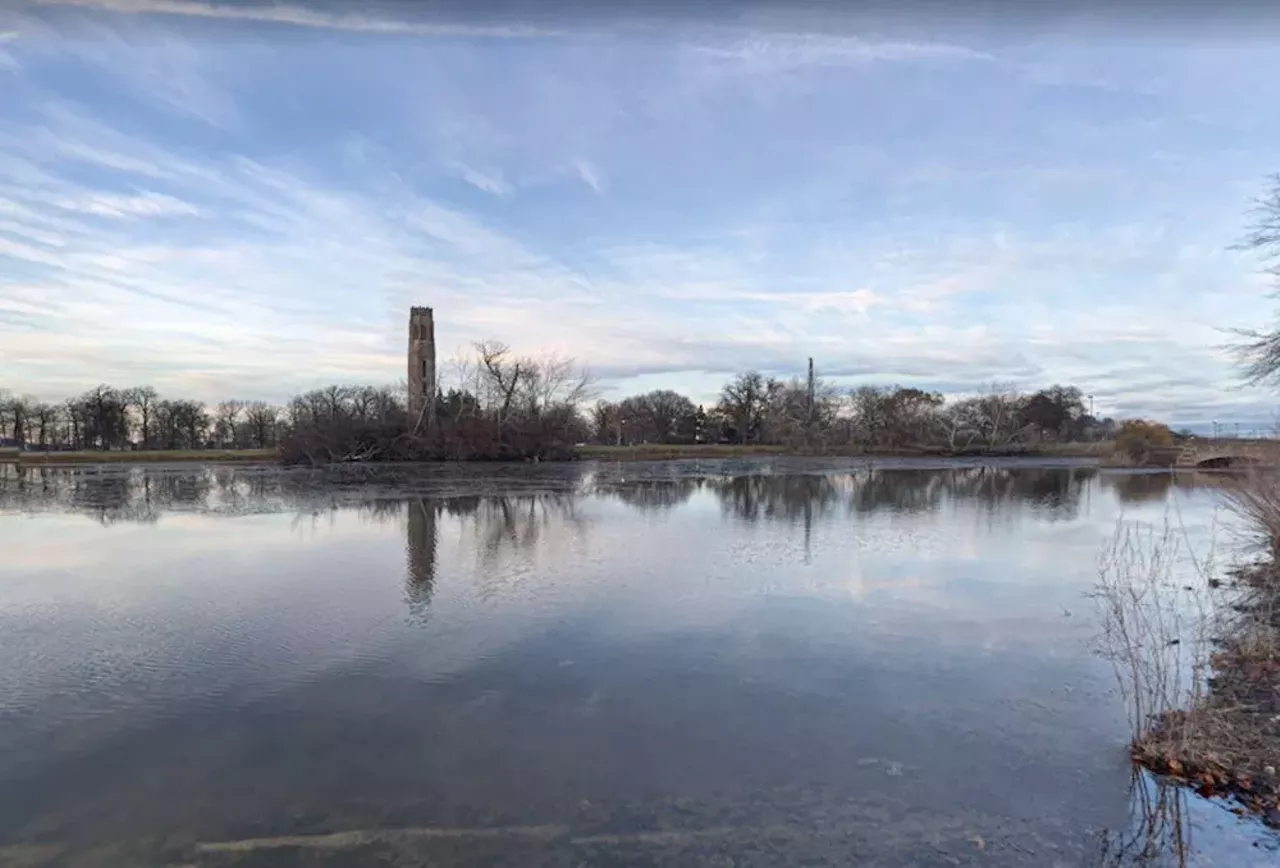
685,635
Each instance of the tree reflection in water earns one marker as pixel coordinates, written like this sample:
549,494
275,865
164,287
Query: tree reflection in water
505,526
143,494
502,525
1139,487
648,495
1158,831
1052,493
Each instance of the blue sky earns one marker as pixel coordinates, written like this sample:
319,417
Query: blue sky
231,199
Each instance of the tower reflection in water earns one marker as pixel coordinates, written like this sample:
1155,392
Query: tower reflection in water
421,542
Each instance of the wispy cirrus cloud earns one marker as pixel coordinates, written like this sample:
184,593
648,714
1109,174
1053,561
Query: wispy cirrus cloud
764,53
590,175
8,63
132,206
489,181
668,210
373,18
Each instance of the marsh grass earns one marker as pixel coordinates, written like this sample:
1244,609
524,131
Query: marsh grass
1195,644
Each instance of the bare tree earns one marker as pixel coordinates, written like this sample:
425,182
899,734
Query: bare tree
16,414
742,402
103,418
961,422
606,423
502,375
998,415
45,417
260,421
226,421
142,400
1257,352
180,424
555,380
660,416
894,417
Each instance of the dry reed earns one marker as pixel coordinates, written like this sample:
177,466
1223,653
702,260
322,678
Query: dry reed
1196,650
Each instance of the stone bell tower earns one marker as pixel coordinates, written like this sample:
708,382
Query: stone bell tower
422,368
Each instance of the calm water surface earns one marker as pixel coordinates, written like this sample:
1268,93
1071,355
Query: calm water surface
720,663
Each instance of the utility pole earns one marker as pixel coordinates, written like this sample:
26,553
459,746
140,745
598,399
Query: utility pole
808,424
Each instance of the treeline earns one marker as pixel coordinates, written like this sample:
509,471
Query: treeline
107,417
497,405
500,406
816,415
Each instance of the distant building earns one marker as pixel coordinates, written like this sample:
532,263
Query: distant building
422,367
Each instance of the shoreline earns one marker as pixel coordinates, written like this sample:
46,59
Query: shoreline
1226,742
647,452
149,456
668,452
1196,648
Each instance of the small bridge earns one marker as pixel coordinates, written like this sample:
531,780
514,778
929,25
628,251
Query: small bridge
1227,452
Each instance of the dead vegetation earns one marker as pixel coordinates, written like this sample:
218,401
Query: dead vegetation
1196,648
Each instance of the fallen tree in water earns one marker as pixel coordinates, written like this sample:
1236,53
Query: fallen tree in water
1197,653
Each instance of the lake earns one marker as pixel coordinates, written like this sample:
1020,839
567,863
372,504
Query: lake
767,662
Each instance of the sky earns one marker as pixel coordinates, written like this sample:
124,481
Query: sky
243,199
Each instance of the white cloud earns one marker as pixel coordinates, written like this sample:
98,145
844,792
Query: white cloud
940,258
140,205
490,181
589,175
301,16
775,53
36,234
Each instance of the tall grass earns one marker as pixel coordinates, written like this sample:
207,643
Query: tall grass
1196,648
1152,594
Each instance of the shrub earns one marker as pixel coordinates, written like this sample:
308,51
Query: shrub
1138,437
